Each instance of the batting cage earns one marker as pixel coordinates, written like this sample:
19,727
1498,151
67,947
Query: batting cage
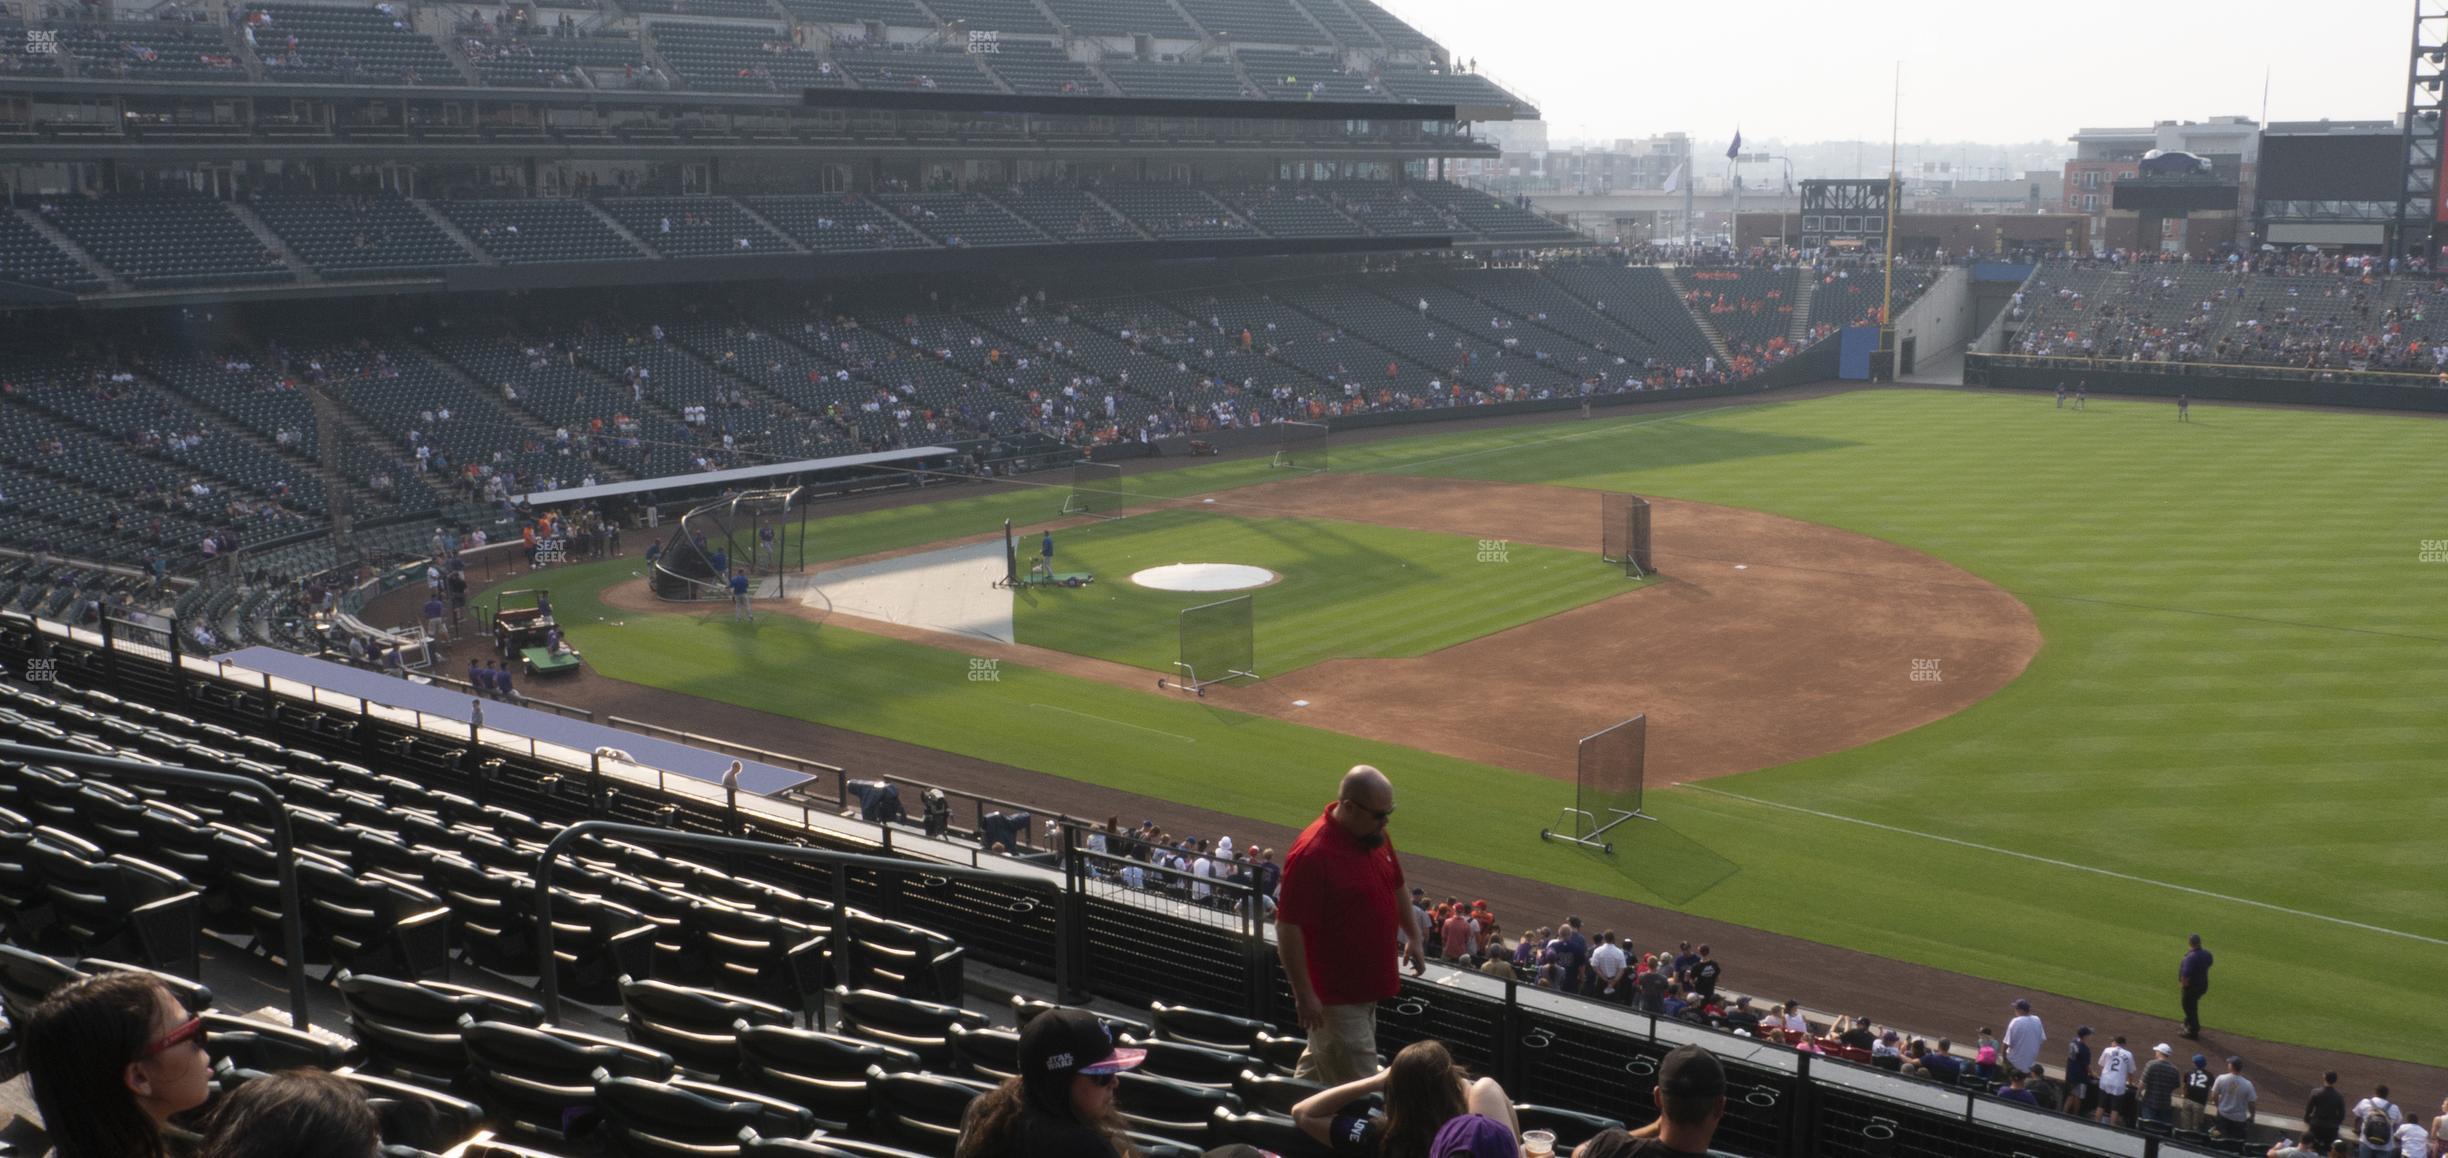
1301,445
1096,488
1607,789
761,532
1624,533
1218,643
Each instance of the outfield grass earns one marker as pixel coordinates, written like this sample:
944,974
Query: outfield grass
2234,727
972,510
1347,589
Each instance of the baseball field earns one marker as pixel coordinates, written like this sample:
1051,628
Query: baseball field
1958,679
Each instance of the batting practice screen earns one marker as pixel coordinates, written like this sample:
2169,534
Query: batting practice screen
1218,642
1096,488
1612,770
1624,533
1301,445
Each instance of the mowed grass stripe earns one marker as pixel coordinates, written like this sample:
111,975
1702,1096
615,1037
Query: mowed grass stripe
2216,704
2078,516
1347,590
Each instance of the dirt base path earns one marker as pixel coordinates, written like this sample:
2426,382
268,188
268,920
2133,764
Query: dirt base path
1926,999
1769,640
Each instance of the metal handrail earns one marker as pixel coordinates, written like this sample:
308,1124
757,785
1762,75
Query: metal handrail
293,931
548,970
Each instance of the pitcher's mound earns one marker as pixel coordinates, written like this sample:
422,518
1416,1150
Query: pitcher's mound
1204,577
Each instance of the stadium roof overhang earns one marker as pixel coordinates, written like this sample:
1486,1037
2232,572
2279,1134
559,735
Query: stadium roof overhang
903,100
508,149
843,98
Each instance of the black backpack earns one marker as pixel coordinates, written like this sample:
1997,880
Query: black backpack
2376,1128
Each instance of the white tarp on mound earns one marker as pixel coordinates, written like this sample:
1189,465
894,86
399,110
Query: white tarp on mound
1203,577
948,590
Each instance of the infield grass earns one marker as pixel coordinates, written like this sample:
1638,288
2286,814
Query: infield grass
1346,589
2234,727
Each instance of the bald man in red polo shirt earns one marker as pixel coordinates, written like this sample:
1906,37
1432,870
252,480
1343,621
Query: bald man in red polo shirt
1336,922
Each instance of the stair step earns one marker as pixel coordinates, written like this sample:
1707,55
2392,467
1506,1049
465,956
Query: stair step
442,222
296,265
93,265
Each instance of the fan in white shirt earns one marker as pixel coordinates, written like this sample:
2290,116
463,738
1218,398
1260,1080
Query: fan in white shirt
1201,869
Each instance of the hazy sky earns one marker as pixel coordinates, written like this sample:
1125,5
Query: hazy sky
1813,70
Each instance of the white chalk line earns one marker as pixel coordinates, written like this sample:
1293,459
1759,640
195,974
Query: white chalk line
1118,723
2066,864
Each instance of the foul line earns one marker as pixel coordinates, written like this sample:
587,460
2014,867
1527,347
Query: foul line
1609,428
2065,864
1121,723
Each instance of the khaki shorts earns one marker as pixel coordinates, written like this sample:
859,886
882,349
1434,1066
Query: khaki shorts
1343,1048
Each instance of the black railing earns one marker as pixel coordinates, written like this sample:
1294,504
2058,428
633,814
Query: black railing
1101,930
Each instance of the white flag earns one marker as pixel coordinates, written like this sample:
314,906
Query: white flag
1674,180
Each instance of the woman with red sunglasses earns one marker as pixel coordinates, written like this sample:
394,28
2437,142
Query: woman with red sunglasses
111,1059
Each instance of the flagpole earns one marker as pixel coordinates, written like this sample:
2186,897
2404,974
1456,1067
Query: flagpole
1734,167
1887,295
1691,177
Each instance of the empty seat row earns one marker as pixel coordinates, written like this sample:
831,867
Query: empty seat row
166,240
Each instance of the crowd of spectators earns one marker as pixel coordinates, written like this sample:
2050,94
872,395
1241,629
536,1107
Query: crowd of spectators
2317,312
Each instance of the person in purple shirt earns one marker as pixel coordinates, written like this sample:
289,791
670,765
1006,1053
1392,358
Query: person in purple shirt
1942,1066
2015,1091
2192,981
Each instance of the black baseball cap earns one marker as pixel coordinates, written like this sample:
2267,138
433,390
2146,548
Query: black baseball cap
1063,1042
1690,1072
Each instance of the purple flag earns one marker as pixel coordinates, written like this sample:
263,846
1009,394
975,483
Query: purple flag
1734,151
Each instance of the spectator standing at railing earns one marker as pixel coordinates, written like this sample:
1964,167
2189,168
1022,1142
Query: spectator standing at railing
2160,1080
2234,1097
1608,967
2024,1037
1704,974
2194,1112
2116,1076
2325,1110
2376,1120
1456,937
2082,1096
1340,910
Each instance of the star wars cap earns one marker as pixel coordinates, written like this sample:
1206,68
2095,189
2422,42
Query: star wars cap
1069,1041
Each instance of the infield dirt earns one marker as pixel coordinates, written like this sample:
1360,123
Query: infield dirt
1766,640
